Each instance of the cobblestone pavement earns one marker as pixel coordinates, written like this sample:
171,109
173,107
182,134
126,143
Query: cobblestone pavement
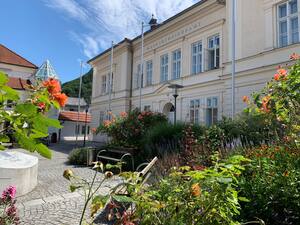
51,201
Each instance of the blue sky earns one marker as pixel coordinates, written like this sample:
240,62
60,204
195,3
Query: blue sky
67,31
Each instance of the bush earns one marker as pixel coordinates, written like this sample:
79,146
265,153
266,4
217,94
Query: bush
185,196
272,184
162,139
78,156
128,130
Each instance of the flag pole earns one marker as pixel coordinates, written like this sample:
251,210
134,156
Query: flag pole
233,58
79,97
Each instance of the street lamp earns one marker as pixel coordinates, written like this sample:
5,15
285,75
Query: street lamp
85,123
175,88
153,23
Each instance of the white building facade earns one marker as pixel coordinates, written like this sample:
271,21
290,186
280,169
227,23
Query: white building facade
193,49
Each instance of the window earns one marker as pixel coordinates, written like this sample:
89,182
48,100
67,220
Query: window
111,83
149,71
83,129
197,57
213,52
194,111
137,77
77,127
147,108
176,64
103,85
211,111
164,60
102,117
288,31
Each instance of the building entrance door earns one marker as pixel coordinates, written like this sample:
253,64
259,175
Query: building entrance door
169,110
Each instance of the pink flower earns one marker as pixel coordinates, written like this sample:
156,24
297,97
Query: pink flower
123,114
9,193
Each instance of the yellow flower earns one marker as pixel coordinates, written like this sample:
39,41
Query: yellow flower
68,174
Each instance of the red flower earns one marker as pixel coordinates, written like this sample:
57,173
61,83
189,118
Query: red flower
277,77
61,98
123,114
140,117
52,85
94,130
41,105
282,72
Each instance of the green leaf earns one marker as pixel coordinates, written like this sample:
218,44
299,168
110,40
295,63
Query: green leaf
2,147
4,138
43,150
3,78
11,94
26,109
122,198
243,199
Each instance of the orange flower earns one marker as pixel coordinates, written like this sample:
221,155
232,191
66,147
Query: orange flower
282,72
52,85
94,130
294,56
276,77
246,99
61,98
196,190
265,104
123,114
106,123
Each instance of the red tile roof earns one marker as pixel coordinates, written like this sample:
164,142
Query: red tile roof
10,57
17,83
73,116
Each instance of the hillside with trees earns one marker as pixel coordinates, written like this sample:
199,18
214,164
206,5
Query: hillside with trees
71,88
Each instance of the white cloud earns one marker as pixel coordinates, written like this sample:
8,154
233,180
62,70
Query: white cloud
113,20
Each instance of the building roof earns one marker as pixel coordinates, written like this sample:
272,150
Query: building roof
8,56
74,101
73,116
158,26
17,83
46,71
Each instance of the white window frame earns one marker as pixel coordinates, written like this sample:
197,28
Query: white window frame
288,19
198,54
137,76
149,72
195,108
164,68
214,48
212,107
176,64
101,117
103,84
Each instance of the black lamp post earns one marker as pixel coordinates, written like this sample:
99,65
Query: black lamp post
175,88
85,123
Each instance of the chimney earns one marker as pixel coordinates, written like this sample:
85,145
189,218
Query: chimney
153,23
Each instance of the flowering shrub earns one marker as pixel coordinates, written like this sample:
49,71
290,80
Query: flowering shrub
272,185
27,121
280,102
8,210
127,129
185,196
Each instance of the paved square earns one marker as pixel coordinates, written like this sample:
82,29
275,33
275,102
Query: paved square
51,201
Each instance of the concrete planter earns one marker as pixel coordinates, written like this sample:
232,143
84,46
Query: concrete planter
18,169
